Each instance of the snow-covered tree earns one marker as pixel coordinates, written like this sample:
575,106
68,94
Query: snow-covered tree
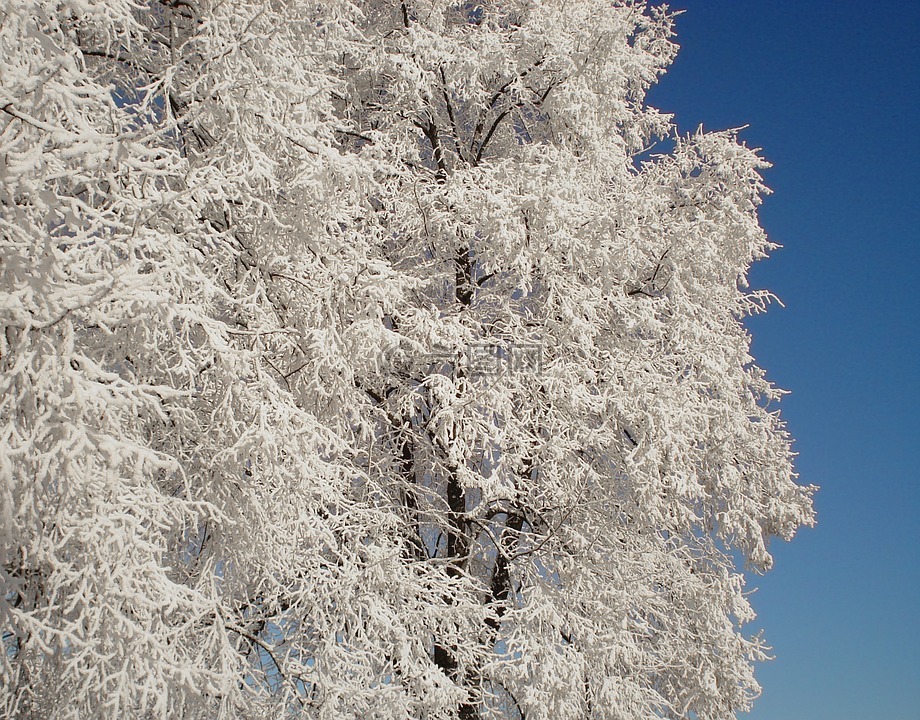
359,360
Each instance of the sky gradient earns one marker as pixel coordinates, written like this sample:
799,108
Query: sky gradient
831,92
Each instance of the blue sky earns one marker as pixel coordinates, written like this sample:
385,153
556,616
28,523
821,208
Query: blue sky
831,91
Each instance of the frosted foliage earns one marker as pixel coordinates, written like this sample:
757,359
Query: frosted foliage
248,467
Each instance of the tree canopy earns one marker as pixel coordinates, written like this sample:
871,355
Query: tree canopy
370,359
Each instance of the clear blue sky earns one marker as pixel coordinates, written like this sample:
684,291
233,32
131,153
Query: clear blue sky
831,91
